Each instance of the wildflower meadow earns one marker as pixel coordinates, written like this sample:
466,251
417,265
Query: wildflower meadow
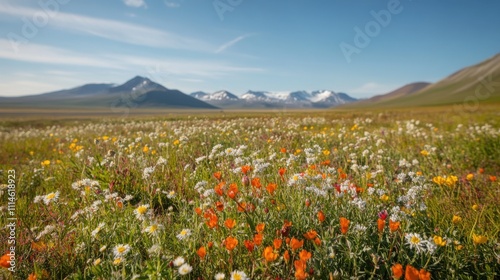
256,196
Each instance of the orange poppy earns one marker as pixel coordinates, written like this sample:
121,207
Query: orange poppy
256,183
344,225
310,235
317,241
286,256
380,225
32,276
219,206
119,204
296,243
245,169
230,223
260,227
201,252
210,244
305,255
308,202
397,271
212,219
277,243
321,216
411,273
242,206
230,243
218,175
493,178
393,226
233,190
38,246
424,274
300,270
198,211
269,254
283,150
257,239
219,189
5,260
271,187
250,245
282,171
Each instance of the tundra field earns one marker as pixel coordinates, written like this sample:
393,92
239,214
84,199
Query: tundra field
403,194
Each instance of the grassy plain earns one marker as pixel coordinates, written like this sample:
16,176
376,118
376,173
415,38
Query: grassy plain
284,194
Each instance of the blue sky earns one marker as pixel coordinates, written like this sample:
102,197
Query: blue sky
359,47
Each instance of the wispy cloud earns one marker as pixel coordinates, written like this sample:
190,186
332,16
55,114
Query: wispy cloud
229,44
51,55
114,30
172,4
38,53
135,3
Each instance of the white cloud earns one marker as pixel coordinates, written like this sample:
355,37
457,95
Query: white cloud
51,55
229,44
113,30
171,4
135,3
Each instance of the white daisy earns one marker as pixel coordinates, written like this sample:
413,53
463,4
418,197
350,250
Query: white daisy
141,211
238,275
179,261
171,194
153,229
184,234
415,241
118,261
185,269
53,196
121,250
97,229
219,276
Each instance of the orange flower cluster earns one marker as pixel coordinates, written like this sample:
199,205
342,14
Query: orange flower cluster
230,243
212,219
410,273
344,225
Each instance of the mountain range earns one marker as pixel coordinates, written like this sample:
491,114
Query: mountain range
140,92
268,99
476,83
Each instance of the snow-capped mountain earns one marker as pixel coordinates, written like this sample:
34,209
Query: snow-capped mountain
221,95
291,99
256,96
329,98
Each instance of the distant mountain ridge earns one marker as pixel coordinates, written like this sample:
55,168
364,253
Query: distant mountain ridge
476,83
138,92
269,99
399,92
